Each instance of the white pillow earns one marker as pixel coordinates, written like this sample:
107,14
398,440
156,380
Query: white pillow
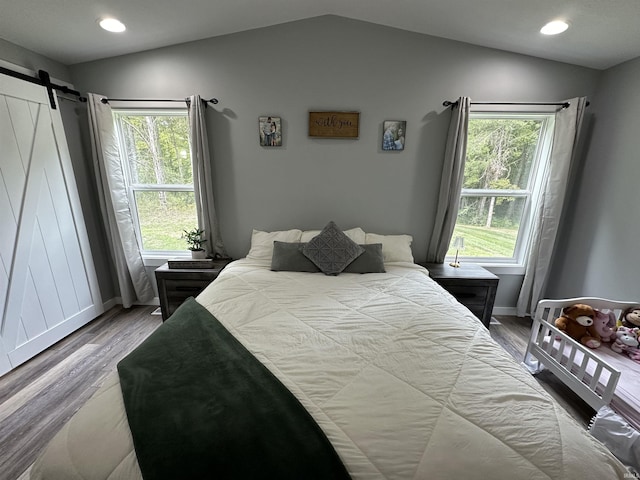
262,242
395,248
355,234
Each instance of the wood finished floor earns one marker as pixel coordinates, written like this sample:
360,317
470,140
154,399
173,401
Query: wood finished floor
40,396
37,398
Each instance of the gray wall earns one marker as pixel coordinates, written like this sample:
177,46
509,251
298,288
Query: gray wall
601,239
10,52
329,63
336,63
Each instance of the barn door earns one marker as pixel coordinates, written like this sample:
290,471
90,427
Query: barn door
48,284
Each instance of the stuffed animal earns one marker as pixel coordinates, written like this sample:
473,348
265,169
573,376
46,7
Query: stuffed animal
577,322
605,325
627,342
630,318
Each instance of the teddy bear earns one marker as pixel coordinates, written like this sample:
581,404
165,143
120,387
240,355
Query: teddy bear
577,322
605,325
630,317
627,342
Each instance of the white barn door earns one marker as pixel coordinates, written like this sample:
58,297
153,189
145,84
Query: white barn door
48,284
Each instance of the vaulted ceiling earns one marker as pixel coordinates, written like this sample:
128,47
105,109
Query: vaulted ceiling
602,33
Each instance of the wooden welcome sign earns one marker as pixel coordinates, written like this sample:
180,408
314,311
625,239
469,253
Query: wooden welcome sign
334,124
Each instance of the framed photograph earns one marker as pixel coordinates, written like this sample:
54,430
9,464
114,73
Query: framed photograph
334,124
270,129
393,135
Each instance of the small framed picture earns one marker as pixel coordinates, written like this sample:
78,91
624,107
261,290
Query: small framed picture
393,135
270,131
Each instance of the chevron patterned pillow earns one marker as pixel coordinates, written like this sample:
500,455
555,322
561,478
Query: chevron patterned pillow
331,250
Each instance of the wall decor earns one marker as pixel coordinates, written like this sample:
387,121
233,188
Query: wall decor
393,134
334,124
270,129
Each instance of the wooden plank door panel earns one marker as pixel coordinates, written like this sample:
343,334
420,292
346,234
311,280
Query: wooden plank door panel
43,282
48,285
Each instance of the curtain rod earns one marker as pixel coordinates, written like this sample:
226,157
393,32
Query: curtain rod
448,103
44,80
212,101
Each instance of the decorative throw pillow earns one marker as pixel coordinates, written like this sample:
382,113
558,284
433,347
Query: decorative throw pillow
371,261
262,242
288,257
395,248
331,250
356,234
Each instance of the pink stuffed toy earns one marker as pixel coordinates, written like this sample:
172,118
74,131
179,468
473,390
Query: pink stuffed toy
605,323
627,342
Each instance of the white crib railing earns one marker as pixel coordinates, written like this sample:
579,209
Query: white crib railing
550,347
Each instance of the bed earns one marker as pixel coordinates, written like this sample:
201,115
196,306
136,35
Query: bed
599,376
404,381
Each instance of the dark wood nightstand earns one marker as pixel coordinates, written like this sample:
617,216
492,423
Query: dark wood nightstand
175,285
473,286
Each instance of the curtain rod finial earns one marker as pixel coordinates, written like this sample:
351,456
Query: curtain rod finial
213,101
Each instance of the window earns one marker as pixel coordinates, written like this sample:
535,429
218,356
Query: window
154,146
507,155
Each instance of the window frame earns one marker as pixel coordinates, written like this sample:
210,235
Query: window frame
150,257
532,193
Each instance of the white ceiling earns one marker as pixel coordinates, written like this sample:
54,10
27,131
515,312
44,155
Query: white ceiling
603,33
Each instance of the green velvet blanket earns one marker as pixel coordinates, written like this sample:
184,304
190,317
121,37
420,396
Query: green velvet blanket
201,406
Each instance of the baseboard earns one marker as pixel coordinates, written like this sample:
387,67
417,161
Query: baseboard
510,311
109,304
154,301
118,301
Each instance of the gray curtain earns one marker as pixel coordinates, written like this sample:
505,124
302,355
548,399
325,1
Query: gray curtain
203,177
133,281
451,182
547,216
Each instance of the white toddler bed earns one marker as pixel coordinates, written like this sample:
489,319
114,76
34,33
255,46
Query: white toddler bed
599,376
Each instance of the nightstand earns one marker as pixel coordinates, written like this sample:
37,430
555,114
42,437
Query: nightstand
175,285
473,286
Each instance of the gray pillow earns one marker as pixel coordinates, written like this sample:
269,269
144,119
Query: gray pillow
371,261
288,257
331,250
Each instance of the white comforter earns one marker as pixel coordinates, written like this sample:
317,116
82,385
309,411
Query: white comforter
404,381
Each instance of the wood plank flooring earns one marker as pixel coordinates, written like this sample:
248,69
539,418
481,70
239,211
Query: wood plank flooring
40,396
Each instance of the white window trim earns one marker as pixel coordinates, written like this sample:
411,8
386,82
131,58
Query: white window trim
516,264
150,258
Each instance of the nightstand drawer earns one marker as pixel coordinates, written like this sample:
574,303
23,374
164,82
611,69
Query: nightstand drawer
175,285
473,286
185,288
468,295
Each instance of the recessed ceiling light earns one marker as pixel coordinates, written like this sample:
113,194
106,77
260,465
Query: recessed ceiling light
554,28
112,25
